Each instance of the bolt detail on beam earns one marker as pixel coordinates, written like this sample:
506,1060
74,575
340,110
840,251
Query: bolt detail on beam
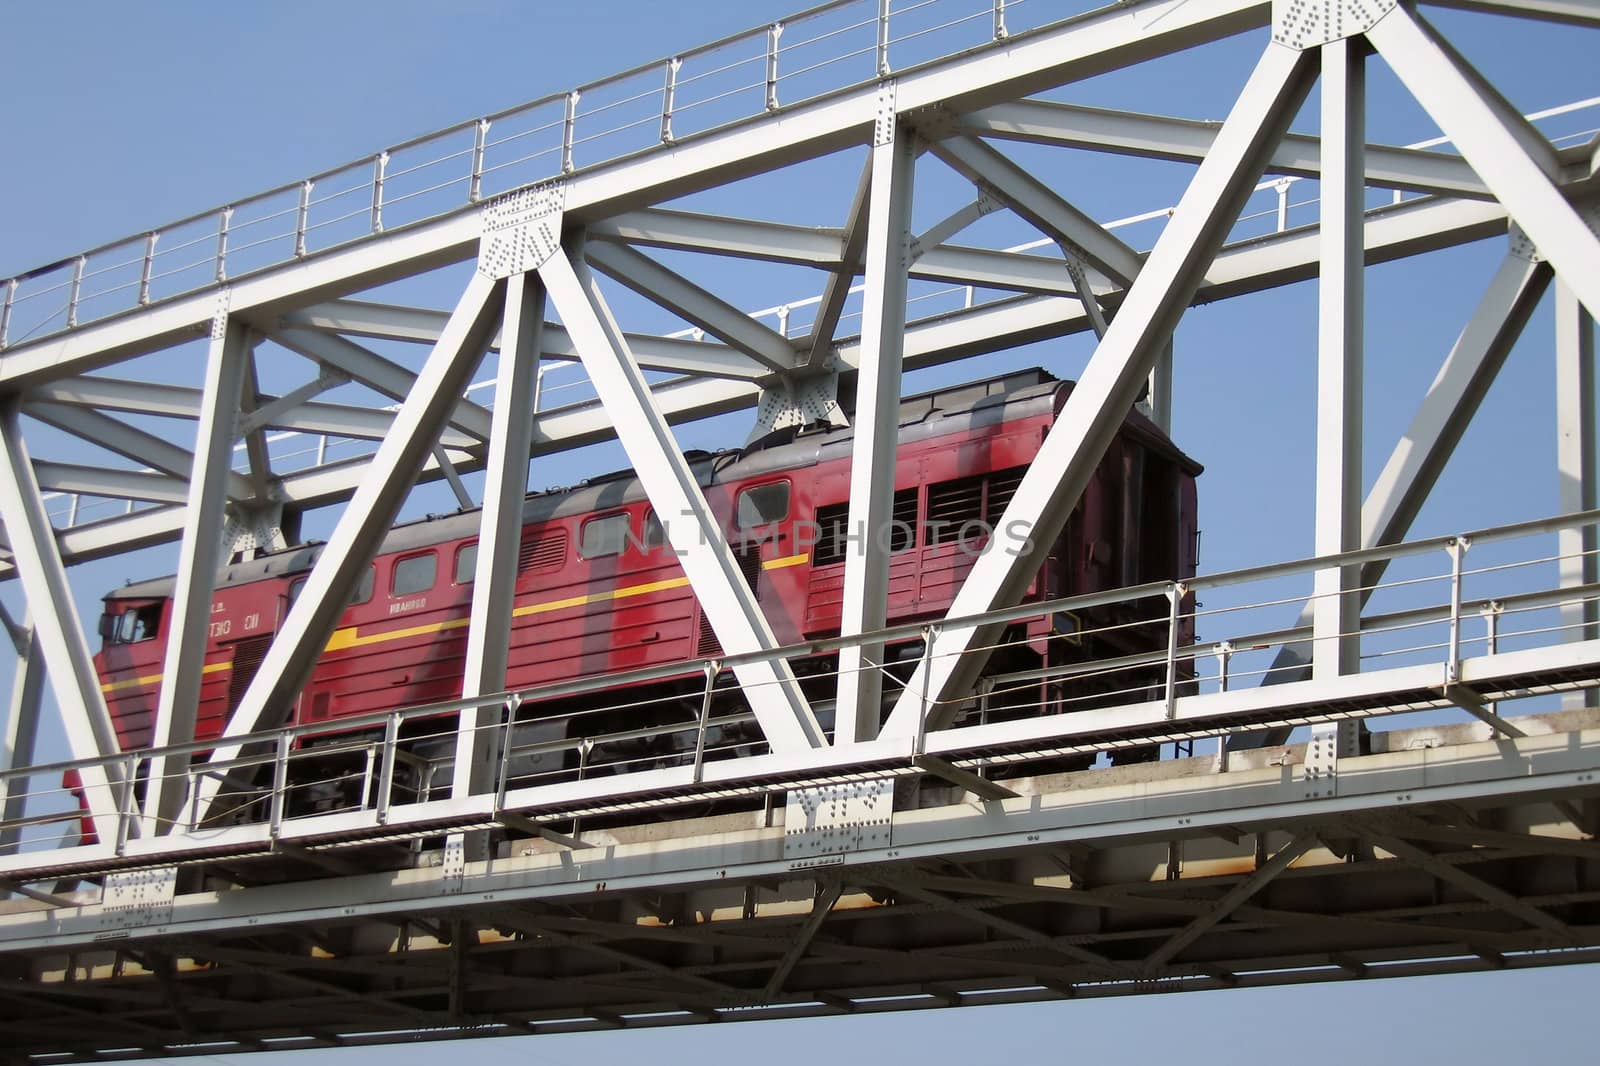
1297,24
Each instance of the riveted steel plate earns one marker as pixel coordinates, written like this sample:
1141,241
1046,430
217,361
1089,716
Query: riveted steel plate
831,819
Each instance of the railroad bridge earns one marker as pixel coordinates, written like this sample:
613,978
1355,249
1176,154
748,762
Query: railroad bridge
1235,803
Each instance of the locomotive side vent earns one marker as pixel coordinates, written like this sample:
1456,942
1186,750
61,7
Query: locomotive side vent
247,656
706,643
834,518
979,499
543,553
952,505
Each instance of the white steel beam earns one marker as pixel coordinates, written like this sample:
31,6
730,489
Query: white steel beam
876,421
1144,323
1188,140
131,443
109,483
390,322
59,631
1575,463
22,730
199,558
387,480
375,372
689,231
500,534
994,173
660,285
693,531
1514,160
952,224
1336,612
1419,456
841,279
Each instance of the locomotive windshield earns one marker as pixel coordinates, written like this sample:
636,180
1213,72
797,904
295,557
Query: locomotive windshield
132,624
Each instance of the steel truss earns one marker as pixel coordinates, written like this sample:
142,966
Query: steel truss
1263,877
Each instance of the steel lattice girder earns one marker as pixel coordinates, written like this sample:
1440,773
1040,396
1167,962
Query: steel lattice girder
1504,167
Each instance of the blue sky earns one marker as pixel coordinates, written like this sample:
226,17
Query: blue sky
120,117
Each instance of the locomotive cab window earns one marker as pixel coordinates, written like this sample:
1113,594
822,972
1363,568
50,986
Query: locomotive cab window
466,563
604,536
132,625
414,574
763,505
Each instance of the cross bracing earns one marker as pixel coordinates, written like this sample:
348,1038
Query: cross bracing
624,249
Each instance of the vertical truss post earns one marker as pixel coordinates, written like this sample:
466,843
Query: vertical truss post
480,142
22,730
774,31
1457,548
391,473
1513,159
1158,392
499,537
1110,384
1575,464
877,419
67,659
1175,593
147,267
1000,31
695,533
1336,611
199,558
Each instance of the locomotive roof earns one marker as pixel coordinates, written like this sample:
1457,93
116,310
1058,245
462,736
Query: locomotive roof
1008,397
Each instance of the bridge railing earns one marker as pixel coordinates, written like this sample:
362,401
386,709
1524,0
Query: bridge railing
824,49
1104,674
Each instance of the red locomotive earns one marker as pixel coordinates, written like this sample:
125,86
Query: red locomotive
598,591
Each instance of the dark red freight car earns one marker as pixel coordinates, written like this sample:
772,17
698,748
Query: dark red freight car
599,592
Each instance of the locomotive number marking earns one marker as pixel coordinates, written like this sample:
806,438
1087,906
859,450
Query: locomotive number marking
251,621
222,628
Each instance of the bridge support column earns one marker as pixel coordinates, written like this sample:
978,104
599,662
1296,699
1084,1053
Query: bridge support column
868,527
1336,610
199,557
1120,366
1575,464
499,541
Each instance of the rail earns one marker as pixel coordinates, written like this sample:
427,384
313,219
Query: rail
1473,622
822,50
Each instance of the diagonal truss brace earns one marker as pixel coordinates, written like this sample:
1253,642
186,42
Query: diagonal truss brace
695,534
59,632
1232,900
1514,160
996,175
692,303
1110,383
